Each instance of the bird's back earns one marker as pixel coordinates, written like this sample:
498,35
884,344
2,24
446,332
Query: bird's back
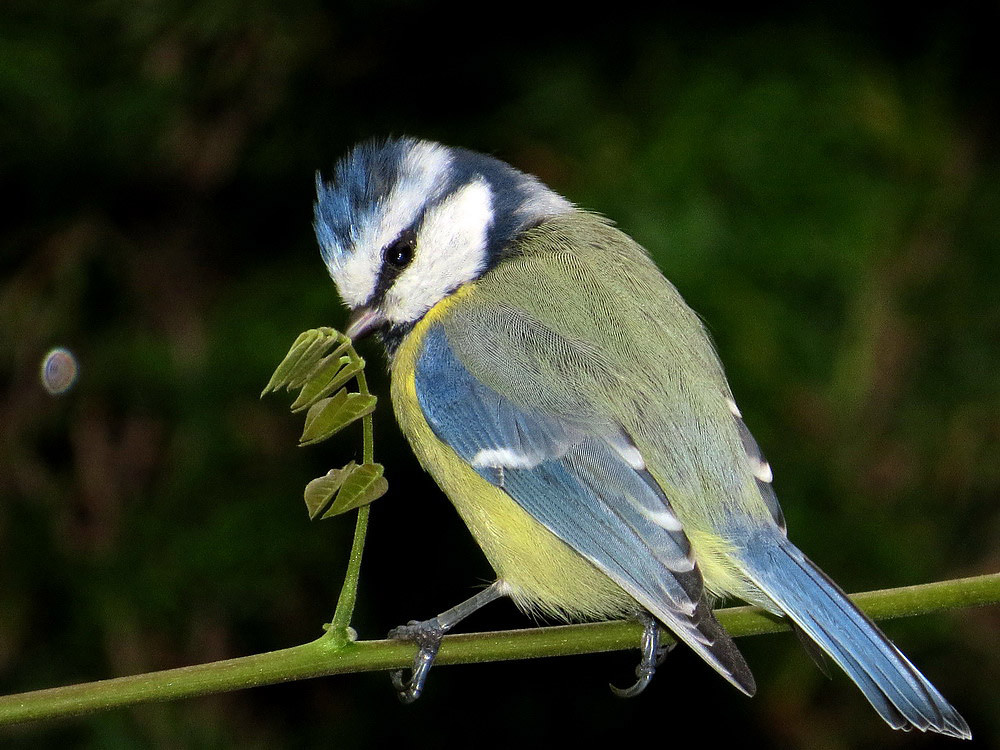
579,322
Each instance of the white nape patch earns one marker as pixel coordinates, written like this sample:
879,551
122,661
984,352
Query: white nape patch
451,251
540,201
762,470
503,458
734,408
422,176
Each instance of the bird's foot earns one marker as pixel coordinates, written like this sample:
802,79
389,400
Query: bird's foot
653,655
427,635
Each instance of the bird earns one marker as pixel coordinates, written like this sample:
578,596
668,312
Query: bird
574,410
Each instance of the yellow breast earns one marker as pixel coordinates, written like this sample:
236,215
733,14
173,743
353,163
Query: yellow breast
542,573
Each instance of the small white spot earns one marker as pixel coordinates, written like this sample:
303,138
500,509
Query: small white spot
631,455
664,518
762,470
734,408
504,588
503,458
687,608
58,371
687,566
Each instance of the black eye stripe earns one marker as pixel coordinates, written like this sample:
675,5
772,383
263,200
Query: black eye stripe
396,256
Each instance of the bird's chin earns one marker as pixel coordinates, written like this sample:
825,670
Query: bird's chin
363,322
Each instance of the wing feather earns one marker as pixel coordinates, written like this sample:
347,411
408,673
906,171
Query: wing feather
582,480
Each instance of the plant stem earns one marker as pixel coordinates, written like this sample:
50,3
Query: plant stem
368,448
338,631
325,657
339,628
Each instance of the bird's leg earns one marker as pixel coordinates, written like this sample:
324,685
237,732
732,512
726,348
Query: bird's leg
428,634
653,655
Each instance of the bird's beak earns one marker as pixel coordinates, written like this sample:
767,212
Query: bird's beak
363,321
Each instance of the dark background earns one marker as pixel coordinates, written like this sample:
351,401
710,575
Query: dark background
823,187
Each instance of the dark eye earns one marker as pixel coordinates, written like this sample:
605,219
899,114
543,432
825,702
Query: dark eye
400,253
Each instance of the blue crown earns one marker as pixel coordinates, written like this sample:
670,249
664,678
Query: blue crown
351,199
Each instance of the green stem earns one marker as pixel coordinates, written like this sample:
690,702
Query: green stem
368,446
323,657
338,631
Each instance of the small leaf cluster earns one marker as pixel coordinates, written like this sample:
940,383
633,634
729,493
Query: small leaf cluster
320,364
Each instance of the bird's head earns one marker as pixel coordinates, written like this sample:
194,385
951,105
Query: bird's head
403,223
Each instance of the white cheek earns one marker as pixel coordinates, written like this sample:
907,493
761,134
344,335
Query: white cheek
354,278
451,251
423,176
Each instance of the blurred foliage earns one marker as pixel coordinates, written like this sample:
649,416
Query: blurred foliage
822,186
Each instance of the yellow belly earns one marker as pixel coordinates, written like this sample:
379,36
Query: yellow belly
542,573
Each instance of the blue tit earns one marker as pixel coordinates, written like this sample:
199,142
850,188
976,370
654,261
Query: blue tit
573,409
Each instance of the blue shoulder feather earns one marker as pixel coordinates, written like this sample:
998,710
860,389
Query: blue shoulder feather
585,484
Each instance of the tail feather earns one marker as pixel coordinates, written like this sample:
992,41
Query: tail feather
897,690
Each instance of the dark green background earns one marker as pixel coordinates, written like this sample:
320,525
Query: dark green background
823,187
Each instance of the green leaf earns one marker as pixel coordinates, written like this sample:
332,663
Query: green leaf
321,361
302,359
331,373
320,491
332,404
330,415
312,355
290,363
364,485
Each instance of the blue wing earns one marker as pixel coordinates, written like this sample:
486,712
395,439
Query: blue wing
587,484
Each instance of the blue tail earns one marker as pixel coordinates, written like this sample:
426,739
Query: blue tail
901,695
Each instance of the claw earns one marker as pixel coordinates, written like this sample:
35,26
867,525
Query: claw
653,655
427,635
